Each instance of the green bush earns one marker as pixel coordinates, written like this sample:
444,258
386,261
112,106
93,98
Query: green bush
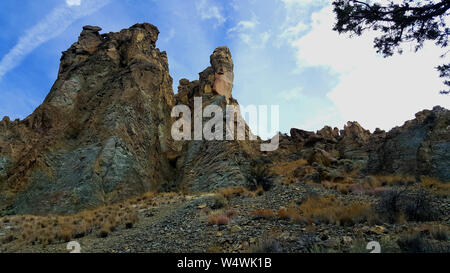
259,175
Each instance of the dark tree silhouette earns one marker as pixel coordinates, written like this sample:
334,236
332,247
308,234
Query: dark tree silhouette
412,21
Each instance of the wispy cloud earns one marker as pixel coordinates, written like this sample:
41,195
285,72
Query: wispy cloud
244,25
73,2
52,25
371,89
209,10
293,94
247,31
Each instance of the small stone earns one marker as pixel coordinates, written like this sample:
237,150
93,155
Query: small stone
347,239
378,230
236,229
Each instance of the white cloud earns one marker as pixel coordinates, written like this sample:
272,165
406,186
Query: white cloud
245,25
293,94
208,10
376,91
73,2
291,32
248,33
48,28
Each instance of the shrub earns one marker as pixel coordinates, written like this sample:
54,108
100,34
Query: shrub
418,207
263,214
234,191
437,187
439,233
266,245
393,180
219,219
259,175
291,171
415,206
231,213
56,229
331,210
292,213
414,243
219,201
389,205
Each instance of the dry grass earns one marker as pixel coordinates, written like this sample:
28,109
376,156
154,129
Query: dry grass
379,183
436,186
332,210
291,213
344,187
286,170
219,219
436,231
392,180
231,213
263,214
54,229
28,229
329,210
239,191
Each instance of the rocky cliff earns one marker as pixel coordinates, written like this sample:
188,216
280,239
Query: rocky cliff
420,147
103,133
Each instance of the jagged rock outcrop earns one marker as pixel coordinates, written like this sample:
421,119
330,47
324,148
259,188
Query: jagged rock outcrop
209,165
421,146
103,132
216,79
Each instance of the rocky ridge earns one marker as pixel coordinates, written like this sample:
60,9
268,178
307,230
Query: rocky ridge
103,134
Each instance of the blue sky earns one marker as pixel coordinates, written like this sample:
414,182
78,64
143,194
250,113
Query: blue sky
285,53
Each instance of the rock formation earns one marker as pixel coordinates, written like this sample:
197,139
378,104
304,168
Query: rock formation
419,147
209,165
103,133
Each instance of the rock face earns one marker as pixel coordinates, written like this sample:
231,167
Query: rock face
101,135
208,165
421,146
103,132
216,79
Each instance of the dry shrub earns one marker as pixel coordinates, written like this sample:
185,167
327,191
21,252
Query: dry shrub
291,213
416,205
392,180
439,232
436,186
436,231
331,210
231,213
366,189
266,245
219,219
263,214
55,229
259,176
343,188
287,170
237,191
